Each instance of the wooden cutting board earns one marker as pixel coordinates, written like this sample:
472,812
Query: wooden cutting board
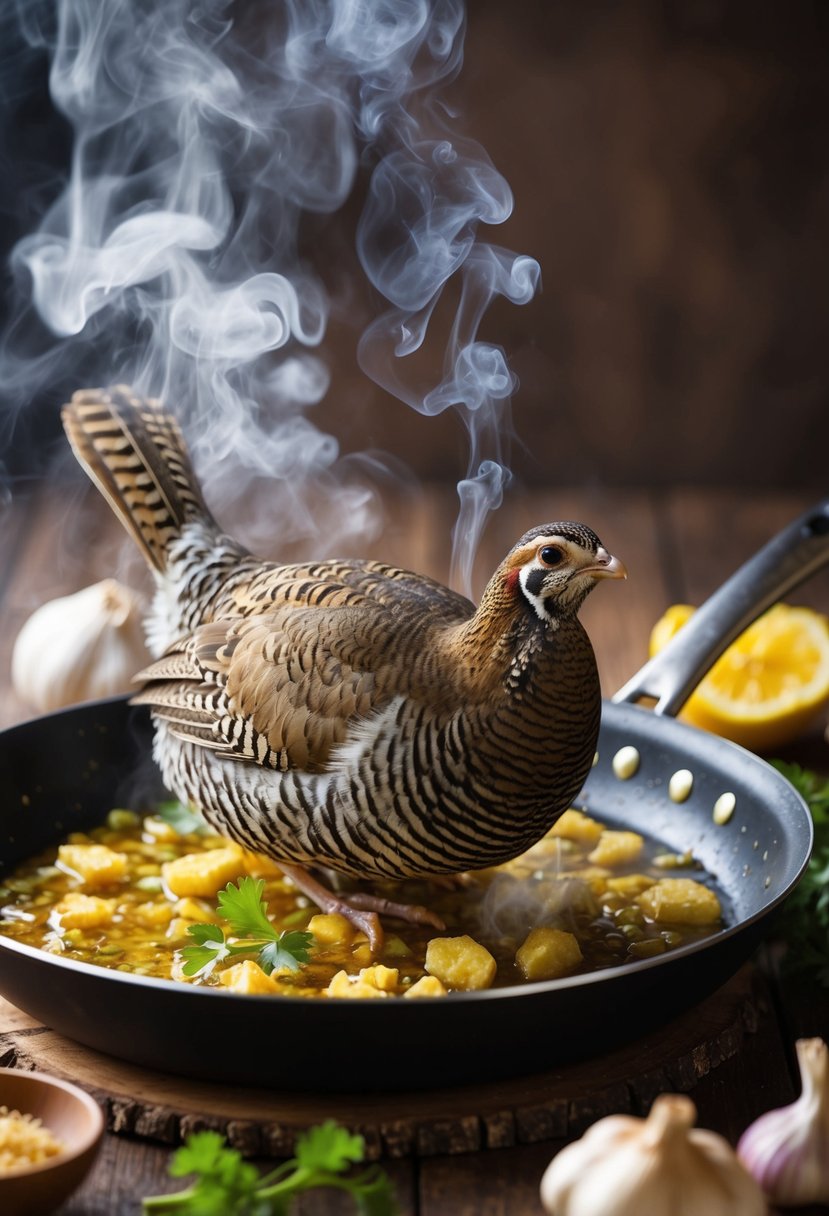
546,1106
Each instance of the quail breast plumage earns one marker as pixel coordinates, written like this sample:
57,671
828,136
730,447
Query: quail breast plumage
347,714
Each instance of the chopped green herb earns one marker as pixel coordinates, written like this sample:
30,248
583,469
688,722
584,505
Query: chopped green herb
803,922
182,819
226,1185
246,913
210,949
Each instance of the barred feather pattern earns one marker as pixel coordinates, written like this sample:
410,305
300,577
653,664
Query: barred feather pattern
411,793
349,713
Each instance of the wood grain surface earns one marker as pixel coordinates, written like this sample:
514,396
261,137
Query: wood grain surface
552,1105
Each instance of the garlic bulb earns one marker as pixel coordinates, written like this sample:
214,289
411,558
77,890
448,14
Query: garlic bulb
80,647
659,1166
787,1150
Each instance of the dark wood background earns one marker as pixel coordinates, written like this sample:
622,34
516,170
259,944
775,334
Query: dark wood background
668,160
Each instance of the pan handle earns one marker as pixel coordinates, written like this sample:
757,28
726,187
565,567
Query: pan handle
791,557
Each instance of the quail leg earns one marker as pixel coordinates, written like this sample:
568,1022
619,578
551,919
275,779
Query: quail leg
362,910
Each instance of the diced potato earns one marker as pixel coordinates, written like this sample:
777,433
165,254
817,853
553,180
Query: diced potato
203,873
194,909
79,911
353,987
260,866
594,876
361,953
559,895
330,928
548,953
161,831
680,901
630,885
177,930
460,962
384,978
153,913
575,825
95,864
249,978
616,848
426,986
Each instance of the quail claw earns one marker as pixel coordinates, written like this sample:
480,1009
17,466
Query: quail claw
414,914
361,909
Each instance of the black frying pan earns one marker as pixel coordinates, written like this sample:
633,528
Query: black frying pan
65,771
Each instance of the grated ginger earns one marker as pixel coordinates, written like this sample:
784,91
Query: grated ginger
24,1141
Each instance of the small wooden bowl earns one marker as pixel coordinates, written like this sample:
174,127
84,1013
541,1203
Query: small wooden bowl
73,1118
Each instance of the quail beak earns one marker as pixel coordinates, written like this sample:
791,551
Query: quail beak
606,566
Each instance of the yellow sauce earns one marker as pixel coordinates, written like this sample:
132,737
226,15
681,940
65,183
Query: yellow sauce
579,880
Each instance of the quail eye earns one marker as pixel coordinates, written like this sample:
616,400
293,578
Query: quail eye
551,555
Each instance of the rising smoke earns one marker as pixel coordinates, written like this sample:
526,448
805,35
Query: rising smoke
202,134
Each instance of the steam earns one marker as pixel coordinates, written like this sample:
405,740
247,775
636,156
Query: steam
172,259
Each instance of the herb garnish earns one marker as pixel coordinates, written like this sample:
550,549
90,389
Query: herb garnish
183,819
246,912
803,922
226,1185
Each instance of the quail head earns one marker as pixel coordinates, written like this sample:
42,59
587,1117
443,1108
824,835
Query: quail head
346,714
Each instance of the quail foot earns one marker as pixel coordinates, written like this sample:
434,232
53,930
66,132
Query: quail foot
347,715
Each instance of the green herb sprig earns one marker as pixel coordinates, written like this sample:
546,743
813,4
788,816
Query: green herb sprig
246,913
803,922
226,1185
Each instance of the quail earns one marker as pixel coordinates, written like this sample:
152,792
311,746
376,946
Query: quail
346,714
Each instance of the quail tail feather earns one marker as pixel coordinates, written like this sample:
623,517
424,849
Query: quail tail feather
133,450
135,454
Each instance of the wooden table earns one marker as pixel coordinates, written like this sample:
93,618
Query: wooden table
678,546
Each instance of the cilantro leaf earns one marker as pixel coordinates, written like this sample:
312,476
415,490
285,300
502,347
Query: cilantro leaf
210,949
328,1147
198,1155
244,909
246,912
206,933
226,1185
287,952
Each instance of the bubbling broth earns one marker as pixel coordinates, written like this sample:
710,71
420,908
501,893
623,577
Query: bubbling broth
585,897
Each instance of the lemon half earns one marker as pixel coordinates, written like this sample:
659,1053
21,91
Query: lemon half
770,683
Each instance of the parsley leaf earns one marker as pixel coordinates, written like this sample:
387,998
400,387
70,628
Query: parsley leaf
803,921
244,909
226,1185
328,1147
285,953
200,1155
210,949
225,1182
246,912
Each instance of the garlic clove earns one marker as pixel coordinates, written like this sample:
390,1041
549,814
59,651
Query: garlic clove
787,1150
659,1166
80,647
